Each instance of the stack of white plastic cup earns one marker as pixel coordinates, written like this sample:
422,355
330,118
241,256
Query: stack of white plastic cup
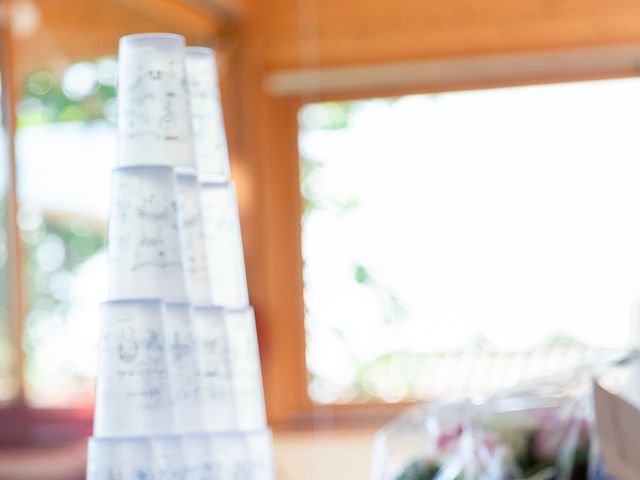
226,266
137,407
179,392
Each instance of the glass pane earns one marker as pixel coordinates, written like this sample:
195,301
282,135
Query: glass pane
8,382
477,228
66,148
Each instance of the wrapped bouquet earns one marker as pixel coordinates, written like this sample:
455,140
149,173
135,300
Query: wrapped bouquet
541,431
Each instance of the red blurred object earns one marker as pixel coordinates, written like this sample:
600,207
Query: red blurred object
28,427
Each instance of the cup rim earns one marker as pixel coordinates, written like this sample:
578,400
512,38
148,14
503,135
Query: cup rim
248,309
143,166
198,51
150,36
191,174
208,307
120,301
215,183
176,303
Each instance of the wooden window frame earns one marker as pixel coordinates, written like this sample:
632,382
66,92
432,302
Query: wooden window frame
271,215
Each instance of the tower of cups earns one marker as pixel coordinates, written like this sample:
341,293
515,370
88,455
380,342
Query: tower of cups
179,389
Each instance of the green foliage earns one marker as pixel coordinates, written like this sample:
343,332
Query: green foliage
534,469
361,274
55,251
44,100
58,245
419,470
399,374
337,115
334,116
322,116
326,115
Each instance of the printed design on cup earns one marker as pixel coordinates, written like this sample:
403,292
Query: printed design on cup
180,348
183,366
129,474
193,239
154,346
141,376
145,255
133,393
154,98
214,361
147,227
127,346
155,217
206,114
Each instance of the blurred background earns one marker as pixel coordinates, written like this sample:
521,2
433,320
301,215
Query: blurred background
437,199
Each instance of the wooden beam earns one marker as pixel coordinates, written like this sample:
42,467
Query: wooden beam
312,34
458,73
231,11
72,30
16,260
179,16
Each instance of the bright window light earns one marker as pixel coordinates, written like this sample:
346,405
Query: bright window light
502,220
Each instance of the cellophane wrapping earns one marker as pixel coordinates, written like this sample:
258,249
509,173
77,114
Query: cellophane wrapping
541,430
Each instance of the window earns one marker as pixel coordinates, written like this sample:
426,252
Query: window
65,146
494,228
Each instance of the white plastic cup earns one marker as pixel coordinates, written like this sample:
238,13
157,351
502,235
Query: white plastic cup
199,458
182,365
244,455
193,240
224,245
115,459
260,443
245,369
217,387
169,458
210,143
133,394
145,254
154,126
